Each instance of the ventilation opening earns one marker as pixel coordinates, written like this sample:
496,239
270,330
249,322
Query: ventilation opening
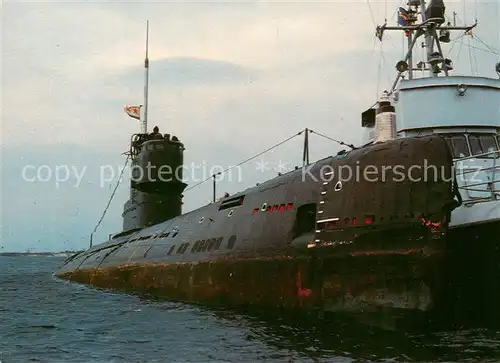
232,202
231,242
306,219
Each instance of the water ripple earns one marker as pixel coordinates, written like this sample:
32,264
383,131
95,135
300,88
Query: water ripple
45,319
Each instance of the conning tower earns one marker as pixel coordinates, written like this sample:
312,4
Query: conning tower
156,180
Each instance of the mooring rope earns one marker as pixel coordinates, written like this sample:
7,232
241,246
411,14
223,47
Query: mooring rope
110,199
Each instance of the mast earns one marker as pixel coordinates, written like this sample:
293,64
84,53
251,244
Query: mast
146,81
410,55
429,41
305,155
432,18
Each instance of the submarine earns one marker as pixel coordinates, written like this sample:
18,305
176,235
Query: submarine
366,230
311,238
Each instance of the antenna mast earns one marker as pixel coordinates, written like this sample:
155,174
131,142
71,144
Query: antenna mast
146,81
432,18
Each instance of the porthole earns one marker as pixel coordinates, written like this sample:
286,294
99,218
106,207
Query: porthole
201,220
338,186
263,208
230,213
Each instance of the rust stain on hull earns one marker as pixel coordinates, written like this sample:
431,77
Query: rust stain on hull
302,283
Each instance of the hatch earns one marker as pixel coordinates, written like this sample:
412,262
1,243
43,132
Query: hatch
232,202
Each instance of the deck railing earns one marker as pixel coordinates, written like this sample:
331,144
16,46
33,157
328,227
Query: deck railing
485,186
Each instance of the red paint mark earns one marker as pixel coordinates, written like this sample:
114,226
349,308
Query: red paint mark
275,207
387,252
255,211
289,206
282,208
305,292
369,219
268,209
301,292
331,224
354,221
434,226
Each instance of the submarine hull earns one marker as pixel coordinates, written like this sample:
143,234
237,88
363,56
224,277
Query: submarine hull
308,240
328,279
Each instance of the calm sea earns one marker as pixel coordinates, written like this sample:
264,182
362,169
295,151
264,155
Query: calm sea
43,319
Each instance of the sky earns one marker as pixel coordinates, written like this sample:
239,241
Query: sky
229,79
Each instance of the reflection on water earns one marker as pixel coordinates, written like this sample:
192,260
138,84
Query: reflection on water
49,320
339,336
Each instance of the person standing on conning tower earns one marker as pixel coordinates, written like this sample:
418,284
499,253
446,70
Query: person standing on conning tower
155,134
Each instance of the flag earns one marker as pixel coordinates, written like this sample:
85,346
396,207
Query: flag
133,111
379,32
402,17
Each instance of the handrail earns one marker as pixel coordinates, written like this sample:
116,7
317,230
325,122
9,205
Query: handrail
484,182
479,155
489,186
463,172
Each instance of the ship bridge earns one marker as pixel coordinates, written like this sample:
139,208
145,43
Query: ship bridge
437,102
466,112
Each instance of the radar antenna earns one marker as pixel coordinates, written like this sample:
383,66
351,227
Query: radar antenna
432,18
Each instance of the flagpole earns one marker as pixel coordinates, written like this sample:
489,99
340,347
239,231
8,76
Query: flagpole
146,81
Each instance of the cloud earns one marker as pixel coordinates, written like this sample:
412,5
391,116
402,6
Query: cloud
229,79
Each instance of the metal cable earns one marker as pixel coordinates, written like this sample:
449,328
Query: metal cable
332,139
110,199
493,50
246,160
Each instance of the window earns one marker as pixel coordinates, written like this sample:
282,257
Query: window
458,145
482,144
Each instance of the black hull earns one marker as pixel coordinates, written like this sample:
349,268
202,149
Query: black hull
473,274
297,242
